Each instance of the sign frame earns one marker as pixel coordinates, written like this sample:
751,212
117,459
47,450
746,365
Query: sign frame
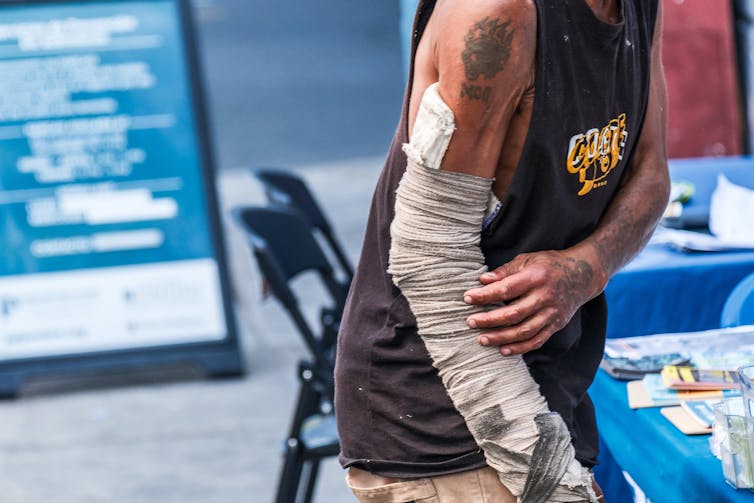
216,358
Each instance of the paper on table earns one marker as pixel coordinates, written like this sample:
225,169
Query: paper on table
701,412
720,340
741,356
730,220
650,392
695,241
731,216
681,419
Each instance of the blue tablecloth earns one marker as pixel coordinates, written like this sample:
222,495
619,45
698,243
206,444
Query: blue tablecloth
664,290
669,466
661,291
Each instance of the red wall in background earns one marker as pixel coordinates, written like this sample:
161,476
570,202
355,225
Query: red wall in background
700,68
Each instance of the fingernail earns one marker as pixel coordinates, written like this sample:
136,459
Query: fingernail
466,299
506,352
488,275
471,323
484,341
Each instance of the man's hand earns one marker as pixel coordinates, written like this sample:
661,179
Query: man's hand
542,291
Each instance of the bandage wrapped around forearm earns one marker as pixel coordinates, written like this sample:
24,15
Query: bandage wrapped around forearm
435,257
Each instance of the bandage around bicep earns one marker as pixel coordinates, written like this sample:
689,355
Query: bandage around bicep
435,256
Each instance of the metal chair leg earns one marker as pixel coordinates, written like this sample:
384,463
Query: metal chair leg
307,403
311,481
291,474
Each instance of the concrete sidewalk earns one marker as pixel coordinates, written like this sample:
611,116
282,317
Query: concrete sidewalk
188,441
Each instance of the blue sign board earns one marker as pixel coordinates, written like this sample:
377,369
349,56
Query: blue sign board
111,237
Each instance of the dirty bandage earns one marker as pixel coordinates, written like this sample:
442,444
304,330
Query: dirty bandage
435,257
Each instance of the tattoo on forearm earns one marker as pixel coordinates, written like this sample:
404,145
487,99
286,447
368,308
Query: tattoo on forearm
488,47
617,236
578,278
628,233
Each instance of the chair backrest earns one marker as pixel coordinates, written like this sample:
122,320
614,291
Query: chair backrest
287,234
285,188
284,247
739,308
288,189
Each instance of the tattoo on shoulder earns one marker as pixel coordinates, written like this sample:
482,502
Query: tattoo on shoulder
488,47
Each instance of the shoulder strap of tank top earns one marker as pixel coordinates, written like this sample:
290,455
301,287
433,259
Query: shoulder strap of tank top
423,12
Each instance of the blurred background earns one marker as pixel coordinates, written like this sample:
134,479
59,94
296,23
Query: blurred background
309,86
298,83
315,87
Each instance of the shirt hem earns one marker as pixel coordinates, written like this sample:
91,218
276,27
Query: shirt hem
414,470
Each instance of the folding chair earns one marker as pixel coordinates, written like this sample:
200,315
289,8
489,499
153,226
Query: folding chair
285,247
287,189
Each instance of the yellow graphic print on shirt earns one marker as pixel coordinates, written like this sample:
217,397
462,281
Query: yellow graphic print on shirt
594,154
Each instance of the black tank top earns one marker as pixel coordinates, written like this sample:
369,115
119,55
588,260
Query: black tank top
591,89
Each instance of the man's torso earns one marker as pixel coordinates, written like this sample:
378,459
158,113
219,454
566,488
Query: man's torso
395,417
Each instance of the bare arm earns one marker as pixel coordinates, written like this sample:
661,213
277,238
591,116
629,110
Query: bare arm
545,289
483,53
